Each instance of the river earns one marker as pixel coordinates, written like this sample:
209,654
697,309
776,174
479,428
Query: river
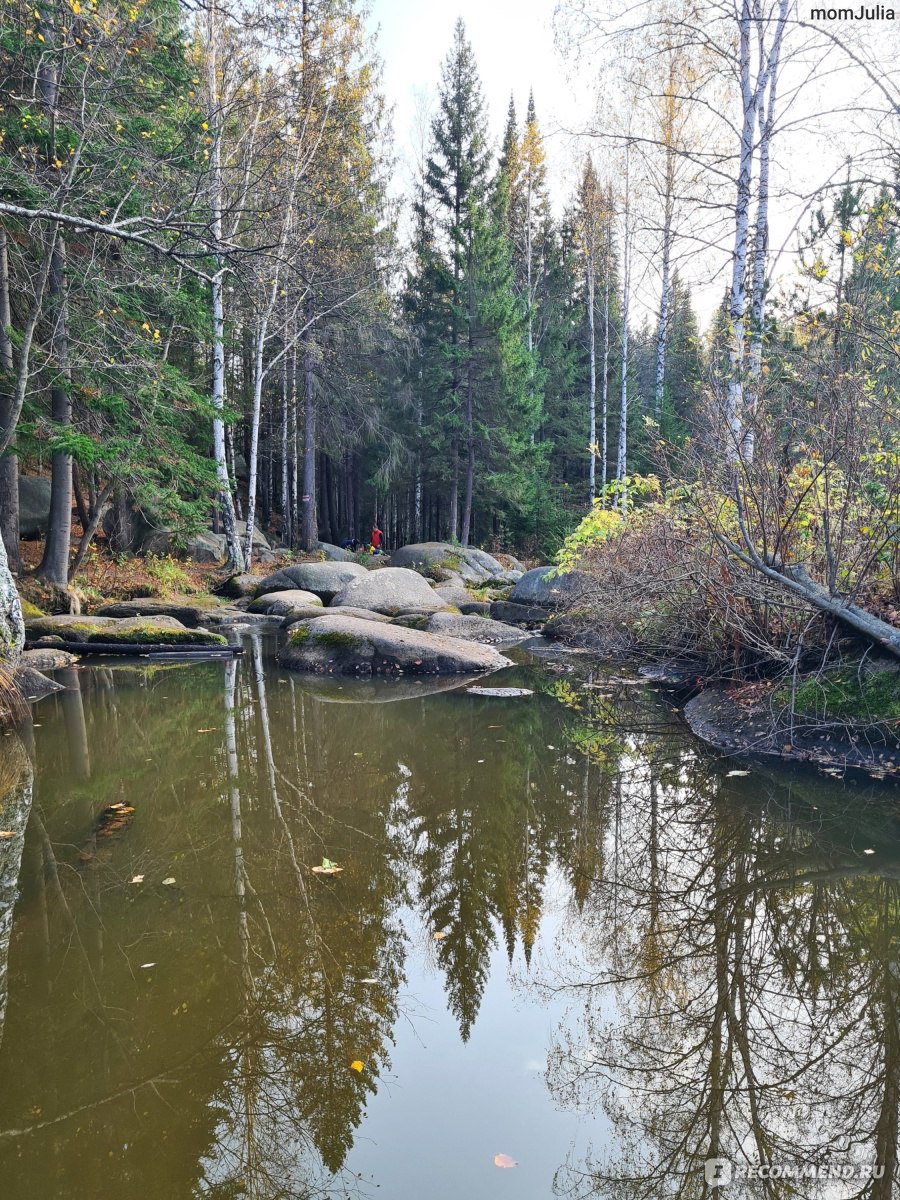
568,950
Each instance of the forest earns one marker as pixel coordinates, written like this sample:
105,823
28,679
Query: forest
221,312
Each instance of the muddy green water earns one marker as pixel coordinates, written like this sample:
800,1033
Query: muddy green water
563,932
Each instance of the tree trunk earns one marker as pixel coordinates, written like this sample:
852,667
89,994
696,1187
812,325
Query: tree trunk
55,562
309,533
453,517
592,387
235,560
9,463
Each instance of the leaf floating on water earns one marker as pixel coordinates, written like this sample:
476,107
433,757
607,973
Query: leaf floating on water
501,692
370,981
6,834
357,1065
137,879
732,773
147,966
439,935
868,851
211,729
503,1160
168,882
327,868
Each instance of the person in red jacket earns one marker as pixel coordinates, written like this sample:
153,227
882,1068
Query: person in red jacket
377,540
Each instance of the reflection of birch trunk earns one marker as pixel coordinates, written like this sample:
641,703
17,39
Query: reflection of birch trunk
76,726
14,809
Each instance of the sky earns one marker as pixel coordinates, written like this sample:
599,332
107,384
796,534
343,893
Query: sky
515,49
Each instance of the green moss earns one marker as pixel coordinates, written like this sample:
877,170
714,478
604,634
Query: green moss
149,633
29,610
868,695
299,636
335,640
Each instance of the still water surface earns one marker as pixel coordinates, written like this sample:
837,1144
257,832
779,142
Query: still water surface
563,932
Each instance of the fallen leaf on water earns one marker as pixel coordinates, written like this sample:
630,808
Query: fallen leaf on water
439,935
327,868
370,981
357,1065
212,729
730,773
5,834
168,882
147,966
137,879
868,851
503,1160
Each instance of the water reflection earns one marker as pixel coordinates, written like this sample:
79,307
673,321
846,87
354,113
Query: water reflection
186,997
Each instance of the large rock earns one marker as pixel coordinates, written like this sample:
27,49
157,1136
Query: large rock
519,614
156,630
347,645
475,629
48,659
240,586
453,593
325,579
292,603
32,685
260,541
392,590
334,553
443,560
204,548
34,506
538,587
184,608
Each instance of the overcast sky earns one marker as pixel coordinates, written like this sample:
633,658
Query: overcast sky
515,49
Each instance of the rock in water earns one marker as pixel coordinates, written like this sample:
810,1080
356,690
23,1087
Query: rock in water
541,589
347,645
475,629
325,579
392,590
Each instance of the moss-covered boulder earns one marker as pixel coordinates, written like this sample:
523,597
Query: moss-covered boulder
444,561
161,630
475,629
348,645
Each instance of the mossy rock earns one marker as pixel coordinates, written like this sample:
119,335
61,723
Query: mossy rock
165,632
30,611
858,693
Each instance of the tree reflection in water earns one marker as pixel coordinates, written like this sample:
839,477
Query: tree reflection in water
731,955
736,983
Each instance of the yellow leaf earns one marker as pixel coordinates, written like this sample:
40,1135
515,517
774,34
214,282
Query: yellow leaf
356,1065
439,935
76,7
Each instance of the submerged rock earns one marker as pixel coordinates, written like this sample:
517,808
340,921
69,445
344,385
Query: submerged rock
392,590
348,645
324,579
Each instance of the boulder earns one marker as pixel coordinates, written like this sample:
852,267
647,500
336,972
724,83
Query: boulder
161,630
347,610
202,548
537,587
442,560
475,608
334,553
285,604
518,614
239,586
185,609
34,505
454,594
392,590
475,629
260,541
325,579
347,645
